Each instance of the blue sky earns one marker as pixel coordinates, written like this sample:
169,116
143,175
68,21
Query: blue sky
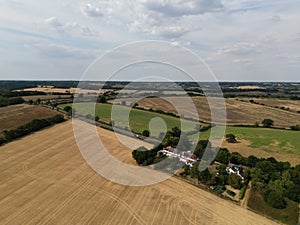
245,40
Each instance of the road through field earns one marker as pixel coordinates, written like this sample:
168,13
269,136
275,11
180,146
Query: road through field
44,180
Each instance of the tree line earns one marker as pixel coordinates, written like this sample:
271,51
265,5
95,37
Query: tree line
34,125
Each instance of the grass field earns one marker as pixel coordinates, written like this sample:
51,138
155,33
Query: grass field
270,140
139,120
238,112
44,180
16,115
284,145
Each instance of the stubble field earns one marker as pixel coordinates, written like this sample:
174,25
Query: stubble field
44,180
238,112
16,115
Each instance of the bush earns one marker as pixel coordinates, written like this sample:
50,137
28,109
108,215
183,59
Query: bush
146,133
231,138
2,141
268,123
275,199
243,191
295,128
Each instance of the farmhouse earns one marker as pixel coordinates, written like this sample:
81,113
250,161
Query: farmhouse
238,170
183,156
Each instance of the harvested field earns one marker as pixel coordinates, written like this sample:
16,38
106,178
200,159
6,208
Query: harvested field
293,105
65,90
44,180
16,115
238,112
45,97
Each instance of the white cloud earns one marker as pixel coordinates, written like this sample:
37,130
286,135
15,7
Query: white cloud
72,27
90,10
169,31
54,50
243,61
228,33
240,48
178,8
53,21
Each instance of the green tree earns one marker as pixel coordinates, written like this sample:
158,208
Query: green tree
236,158
176,131
235,181
275,199
231,138
268,123
102,99
146,133
204,176
223,156
295,128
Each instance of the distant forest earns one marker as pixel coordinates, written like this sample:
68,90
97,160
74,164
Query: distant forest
230,89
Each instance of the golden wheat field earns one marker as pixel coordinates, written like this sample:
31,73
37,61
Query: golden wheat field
44,180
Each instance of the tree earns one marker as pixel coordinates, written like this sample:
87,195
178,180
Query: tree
223,156
2,141
235,181
200,148
68,108
231,138
176,131
275,199
268,123
251,161
102,99
236,158
146,133
295,128
204,176
292,191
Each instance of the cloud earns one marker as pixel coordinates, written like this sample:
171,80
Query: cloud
170,19
90,10
240,48
72,27
54,50
243,61
169,31
178,8
53,21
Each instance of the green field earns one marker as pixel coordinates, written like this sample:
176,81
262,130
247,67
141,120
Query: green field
270,140
139,120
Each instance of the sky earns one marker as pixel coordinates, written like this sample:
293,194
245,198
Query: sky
240,40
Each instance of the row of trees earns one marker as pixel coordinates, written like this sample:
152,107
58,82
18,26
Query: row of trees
5,101
34,125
